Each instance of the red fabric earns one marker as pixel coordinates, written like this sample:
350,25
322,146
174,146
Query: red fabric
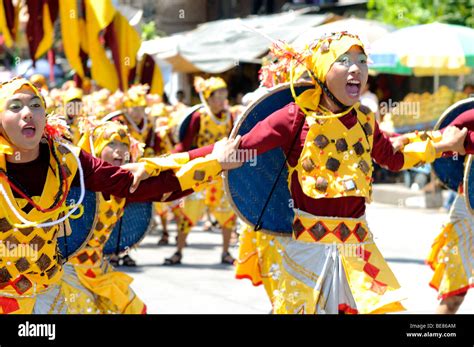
280,128
8,305
99,176
466,119
102,177
191,133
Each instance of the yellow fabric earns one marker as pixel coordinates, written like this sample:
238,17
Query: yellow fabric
112,288
157,84
7,34
191,211
136,96
211,128
5,146
373,286
450,276
207,86
11,87
196,173
99,14
72,94
48,33
353,176
323,54
47,262
102,135
193,174
259,259
418,153
69,19
128,45
154,166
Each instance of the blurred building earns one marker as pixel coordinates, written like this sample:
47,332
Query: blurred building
172,16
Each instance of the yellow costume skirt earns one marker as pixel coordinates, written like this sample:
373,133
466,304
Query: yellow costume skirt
452,253
161,208
332,265
259,258
110,289
68,296
192,208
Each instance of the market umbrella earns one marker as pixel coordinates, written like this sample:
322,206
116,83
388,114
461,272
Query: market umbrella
425,50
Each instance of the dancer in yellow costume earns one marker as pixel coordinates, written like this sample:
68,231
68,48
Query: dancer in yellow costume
331,264
207,125
451,258
111,289
163,145
135,117
37,169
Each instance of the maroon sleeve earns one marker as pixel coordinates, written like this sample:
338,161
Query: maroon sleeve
193,130
100,176
466,119
382,151
274,131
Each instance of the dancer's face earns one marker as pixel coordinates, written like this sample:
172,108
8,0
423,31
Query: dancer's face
137,114
218,100
24,119
348,75
116,153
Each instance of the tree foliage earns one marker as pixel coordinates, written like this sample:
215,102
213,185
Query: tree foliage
402,13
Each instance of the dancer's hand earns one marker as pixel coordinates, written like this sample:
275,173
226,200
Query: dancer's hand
398,142
225,152
139,174
452,141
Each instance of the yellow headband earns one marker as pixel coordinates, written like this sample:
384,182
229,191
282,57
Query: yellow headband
11,87
320,59
72,94
207,87
104,134
39,78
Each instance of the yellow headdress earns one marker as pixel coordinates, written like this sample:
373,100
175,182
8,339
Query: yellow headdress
100,135
39,79
72,94
55,125
316,59
208,86
7,89
136,96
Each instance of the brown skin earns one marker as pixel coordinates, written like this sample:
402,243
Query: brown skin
450,305
218,101
350,66
22,110
137,114
115,153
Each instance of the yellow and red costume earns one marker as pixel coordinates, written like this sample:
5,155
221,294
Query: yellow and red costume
206,128
331,264
32,276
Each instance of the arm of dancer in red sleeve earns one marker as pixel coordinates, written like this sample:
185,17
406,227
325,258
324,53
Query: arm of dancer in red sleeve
100,176
192,131
274,131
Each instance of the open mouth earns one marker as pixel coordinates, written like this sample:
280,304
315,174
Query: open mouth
117,161
28,131
353,88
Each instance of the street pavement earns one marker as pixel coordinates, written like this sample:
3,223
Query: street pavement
202,285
